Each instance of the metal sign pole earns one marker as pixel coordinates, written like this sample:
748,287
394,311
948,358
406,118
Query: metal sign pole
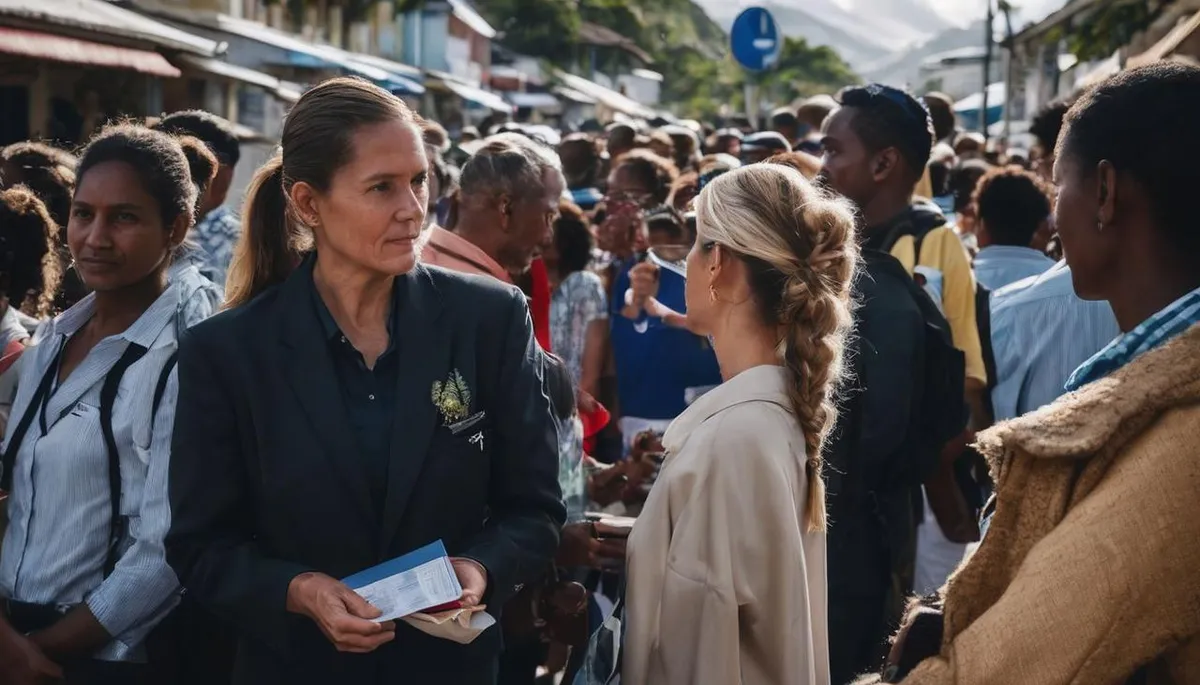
756,42
751,91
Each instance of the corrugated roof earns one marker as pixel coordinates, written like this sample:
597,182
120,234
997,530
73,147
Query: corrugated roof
470,92
595,34
607,96
1168,44
105,18
302,52
234,72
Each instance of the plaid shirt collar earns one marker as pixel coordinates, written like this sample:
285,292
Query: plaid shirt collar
1176,318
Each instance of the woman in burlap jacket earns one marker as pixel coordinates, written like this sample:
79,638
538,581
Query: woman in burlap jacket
1089,573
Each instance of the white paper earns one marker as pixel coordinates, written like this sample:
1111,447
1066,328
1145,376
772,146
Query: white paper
422,587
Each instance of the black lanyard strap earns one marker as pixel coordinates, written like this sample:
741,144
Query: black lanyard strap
34,407
108,397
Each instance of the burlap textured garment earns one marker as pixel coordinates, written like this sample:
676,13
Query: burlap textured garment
1091,567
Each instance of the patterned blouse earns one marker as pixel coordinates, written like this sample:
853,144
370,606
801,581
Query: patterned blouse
576,302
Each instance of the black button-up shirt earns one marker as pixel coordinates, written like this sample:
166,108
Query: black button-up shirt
369,395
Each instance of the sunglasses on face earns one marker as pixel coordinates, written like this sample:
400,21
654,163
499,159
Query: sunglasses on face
627,197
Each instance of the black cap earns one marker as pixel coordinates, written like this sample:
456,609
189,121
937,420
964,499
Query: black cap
766,140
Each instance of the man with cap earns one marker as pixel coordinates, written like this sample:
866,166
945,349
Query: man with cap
757,147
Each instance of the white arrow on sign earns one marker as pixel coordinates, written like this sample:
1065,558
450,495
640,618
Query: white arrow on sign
764,25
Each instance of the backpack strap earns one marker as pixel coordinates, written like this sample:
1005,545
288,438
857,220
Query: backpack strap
108,396
907,227
983,321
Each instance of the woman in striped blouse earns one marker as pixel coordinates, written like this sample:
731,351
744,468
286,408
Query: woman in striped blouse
83,574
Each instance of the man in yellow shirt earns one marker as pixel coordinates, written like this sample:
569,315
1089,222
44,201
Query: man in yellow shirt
876,149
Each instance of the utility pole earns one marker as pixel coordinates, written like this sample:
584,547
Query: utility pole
1010,67
987,67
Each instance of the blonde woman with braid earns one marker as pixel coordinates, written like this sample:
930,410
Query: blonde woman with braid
726,575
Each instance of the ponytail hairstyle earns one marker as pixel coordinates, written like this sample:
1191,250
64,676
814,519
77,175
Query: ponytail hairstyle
798,244
317,141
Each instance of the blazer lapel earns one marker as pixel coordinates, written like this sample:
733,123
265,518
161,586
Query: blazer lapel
308,368
424,346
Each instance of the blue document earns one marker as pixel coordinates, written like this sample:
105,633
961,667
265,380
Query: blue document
418,581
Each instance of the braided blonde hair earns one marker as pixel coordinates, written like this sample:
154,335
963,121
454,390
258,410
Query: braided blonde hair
799,245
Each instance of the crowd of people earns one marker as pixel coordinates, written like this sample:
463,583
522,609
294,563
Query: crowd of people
850,397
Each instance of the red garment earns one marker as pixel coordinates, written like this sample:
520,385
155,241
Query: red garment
593,421
539,302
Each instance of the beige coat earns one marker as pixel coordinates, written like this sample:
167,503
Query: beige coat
1091,567
724,585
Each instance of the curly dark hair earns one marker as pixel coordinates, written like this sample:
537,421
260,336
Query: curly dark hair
1012,203
656,173
573,239
30,270
1047,123
46,170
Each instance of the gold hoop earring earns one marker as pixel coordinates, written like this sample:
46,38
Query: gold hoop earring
712,293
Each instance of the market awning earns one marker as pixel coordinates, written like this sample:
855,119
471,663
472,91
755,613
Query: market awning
467,15
98,16
574,95
49,46
234,72
472,94
1168,45
402,79
606,96
972,103
301,53
540,101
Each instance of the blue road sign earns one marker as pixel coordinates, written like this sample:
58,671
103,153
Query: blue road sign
755,39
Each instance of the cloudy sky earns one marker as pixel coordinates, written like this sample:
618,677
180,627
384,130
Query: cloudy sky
959,12
963,11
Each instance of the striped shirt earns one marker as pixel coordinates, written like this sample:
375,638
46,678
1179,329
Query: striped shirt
1168,323
1041,332
999,265
199,297
56,543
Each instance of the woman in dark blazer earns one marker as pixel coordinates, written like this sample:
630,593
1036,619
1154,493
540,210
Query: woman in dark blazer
354,408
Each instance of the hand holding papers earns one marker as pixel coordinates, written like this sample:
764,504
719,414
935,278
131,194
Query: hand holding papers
345,618
423,588
420,580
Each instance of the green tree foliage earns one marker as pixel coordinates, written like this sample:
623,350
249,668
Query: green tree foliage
804,70
540,28
1112,26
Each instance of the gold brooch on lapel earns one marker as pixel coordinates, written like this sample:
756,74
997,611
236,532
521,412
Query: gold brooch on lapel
452,398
